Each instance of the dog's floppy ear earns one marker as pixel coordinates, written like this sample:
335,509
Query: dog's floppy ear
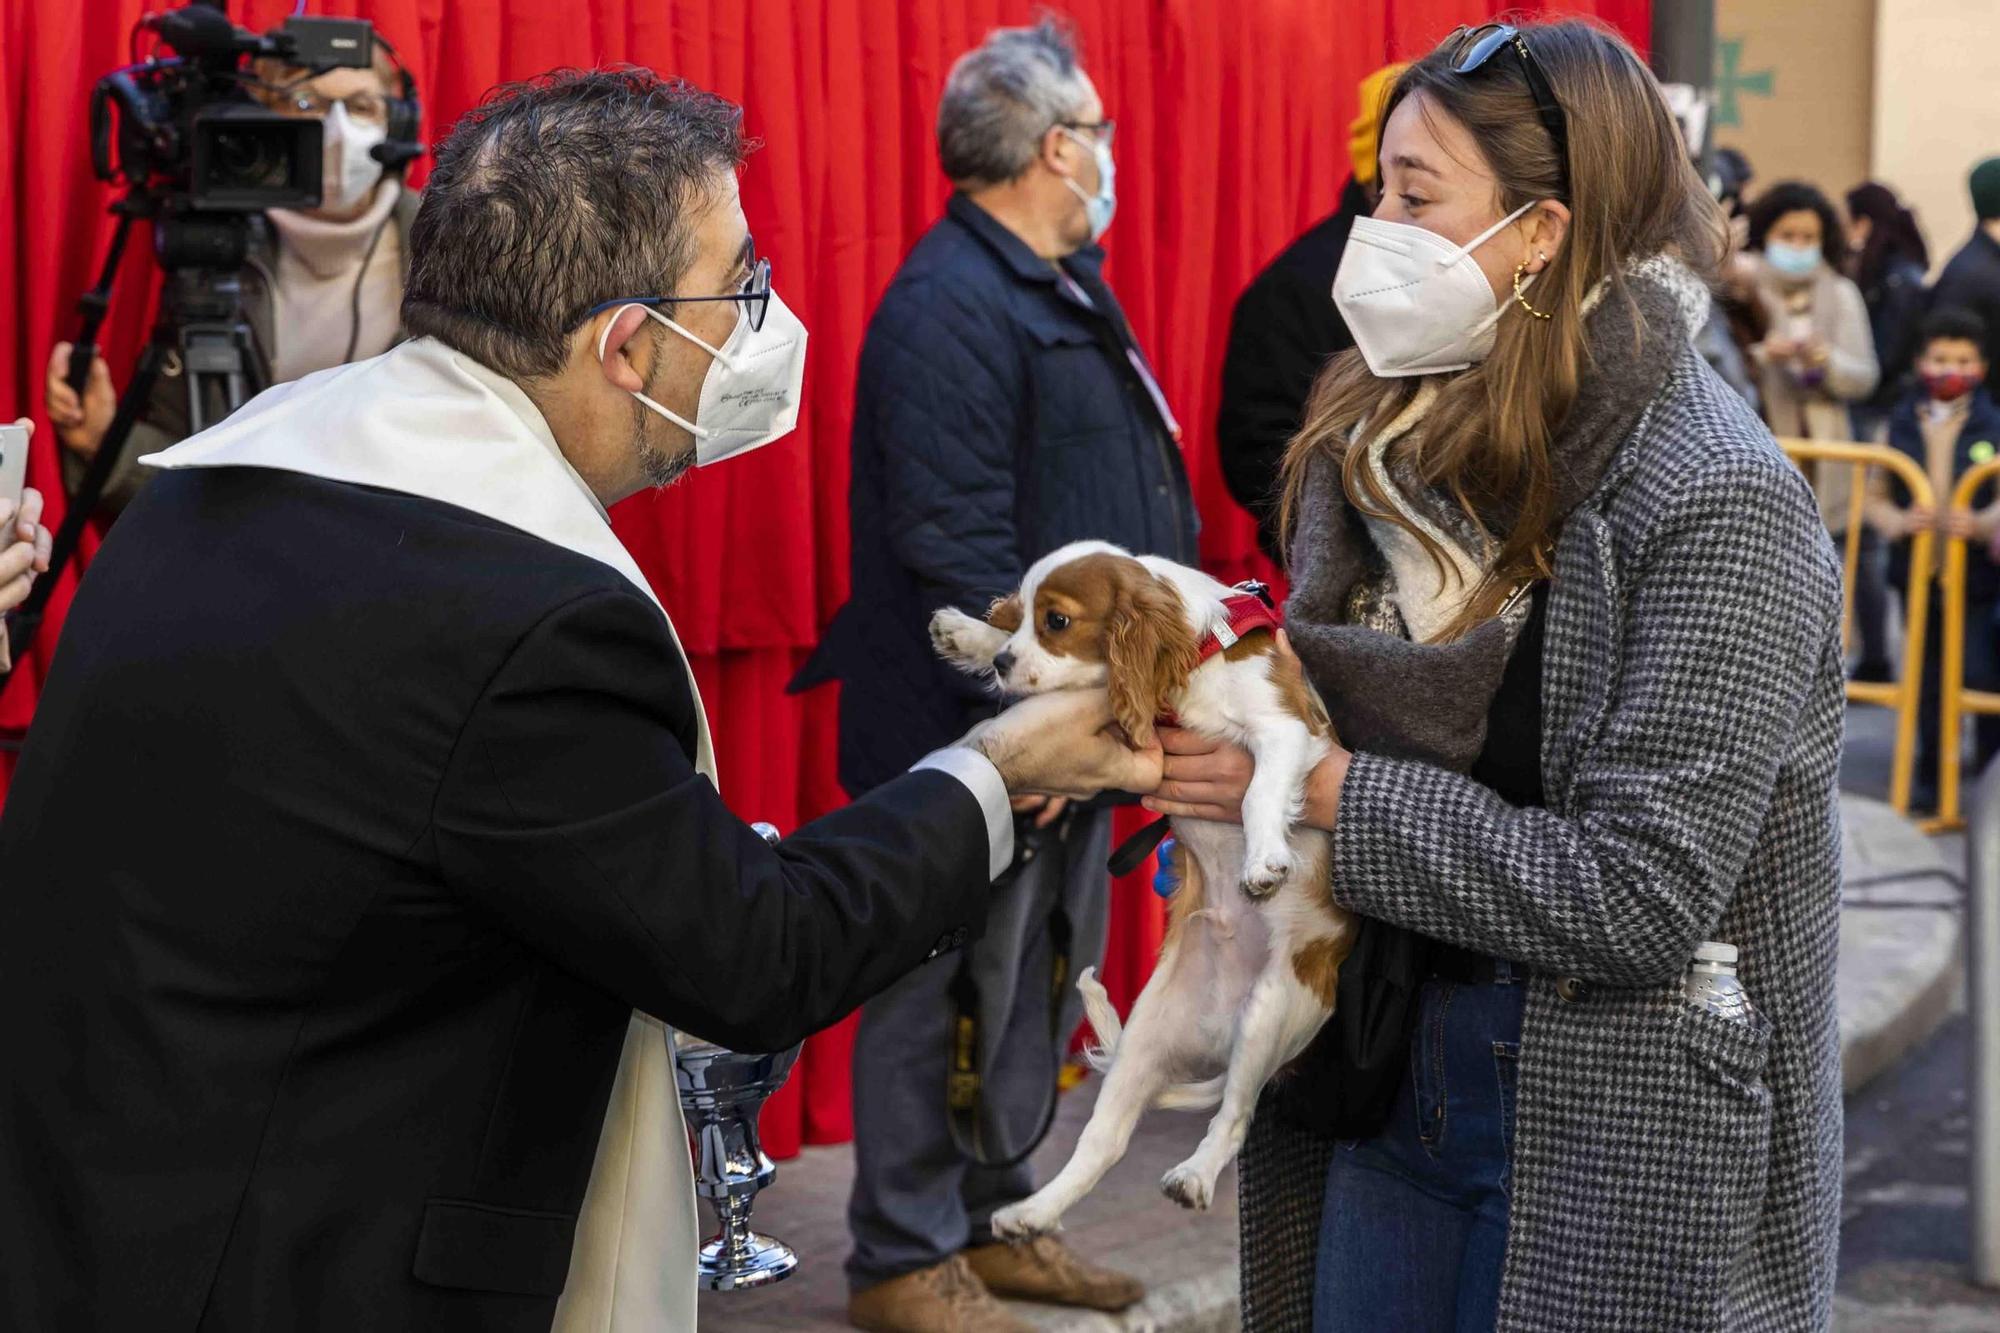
1005,613
1148,652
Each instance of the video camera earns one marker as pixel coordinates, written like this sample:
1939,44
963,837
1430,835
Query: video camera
187,129
199,156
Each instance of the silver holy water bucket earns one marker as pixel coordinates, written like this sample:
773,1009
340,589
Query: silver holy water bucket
721,1093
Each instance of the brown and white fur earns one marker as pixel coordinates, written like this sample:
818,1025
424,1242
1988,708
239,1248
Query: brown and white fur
1254,942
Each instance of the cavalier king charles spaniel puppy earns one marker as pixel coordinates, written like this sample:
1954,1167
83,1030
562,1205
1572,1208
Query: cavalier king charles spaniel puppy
1254,942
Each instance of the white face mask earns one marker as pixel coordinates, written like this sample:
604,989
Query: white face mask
1098,207
347,172
750,395
1415,303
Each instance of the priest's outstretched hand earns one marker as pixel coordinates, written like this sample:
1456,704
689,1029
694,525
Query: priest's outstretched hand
1065,743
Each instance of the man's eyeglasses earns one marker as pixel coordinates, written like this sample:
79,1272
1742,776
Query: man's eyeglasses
1478,45
362,108
754,296
301,99
1103,129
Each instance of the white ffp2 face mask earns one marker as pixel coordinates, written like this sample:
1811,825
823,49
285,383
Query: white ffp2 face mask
347,170
1415,303
750,395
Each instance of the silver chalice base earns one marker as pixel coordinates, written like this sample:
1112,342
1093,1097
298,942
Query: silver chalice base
721,1093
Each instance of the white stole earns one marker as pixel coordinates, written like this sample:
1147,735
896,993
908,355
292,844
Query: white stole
424,420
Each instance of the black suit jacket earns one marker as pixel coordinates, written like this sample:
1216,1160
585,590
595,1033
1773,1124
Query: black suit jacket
350,828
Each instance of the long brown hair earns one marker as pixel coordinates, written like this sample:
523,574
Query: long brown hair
1485,442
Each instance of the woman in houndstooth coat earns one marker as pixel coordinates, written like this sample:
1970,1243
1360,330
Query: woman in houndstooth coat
1577,621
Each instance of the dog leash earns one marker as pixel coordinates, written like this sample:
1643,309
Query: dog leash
963,1081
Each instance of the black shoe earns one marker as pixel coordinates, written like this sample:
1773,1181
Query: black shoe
1878,672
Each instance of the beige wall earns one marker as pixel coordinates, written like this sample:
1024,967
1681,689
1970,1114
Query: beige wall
1937,107
1840,91
1803,85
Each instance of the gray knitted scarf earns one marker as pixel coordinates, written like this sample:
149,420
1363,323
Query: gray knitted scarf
1364,595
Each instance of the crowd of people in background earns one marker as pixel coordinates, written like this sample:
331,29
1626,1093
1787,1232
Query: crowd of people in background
1845,340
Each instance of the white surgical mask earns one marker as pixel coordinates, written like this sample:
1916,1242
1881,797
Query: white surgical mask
1415,303
750,395
1098,207
347,172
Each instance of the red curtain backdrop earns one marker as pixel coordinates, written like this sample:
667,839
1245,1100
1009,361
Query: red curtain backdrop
1232,139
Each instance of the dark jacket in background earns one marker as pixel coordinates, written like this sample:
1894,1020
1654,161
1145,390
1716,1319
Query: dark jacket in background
1896,303
1000,412
351,829
1982,423
1285,328
1971,281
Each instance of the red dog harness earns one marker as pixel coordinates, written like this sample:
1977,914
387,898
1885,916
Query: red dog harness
1250,610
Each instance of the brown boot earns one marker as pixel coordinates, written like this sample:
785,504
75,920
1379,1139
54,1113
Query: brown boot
1044,1269
944,1298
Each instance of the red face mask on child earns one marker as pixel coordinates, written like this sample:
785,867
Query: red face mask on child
1951,385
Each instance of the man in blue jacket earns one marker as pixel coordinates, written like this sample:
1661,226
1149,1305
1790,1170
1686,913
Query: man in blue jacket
1003,409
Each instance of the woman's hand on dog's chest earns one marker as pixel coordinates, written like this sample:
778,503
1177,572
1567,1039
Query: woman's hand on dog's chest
1206,779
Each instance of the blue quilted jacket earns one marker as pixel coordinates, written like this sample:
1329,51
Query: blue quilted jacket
1002,409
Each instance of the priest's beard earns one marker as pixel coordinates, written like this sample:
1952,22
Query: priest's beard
661,469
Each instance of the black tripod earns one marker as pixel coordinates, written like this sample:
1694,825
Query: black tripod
200,334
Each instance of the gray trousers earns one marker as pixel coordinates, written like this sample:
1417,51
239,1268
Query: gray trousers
917,1200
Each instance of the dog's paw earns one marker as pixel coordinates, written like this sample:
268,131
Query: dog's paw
1024,1220
1188,1187
1263,876
963,640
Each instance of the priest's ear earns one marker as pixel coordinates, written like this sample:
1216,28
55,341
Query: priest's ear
625,357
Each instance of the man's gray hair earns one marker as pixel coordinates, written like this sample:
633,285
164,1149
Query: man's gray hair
1002,97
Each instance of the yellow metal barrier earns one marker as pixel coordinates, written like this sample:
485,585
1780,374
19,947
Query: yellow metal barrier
1954,700
1902,694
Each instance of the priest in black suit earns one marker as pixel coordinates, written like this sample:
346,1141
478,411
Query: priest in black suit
366,847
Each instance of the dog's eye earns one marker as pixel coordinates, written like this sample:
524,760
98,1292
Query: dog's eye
1056,621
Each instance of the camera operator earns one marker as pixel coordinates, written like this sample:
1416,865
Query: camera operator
322,287
24,553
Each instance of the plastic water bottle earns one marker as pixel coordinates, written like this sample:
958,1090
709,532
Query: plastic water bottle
1712,982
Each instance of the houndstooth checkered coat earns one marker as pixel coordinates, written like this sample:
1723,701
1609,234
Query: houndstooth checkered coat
1673,1170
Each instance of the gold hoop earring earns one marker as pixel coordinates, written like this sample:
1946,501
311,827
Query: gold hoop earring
1520,273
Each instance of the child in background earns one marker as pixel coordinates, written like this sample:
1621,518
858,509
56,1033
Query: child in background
1947,423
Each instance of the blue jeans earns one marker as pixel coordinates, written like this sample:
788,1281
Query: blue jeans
1415,1227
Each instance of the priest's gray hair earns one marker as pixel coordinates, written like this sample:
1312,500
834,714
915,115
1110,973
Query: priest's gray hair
552,195
1002,97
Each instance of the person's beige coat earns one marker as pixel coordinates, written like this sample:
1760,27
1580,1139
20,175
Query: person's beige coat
1830,307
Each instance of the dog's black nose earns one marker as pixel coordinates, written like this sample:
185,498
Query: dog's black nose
1003,662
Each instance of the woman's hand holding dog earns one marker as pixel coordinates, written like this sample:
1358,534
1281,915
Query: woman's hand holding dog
1206,779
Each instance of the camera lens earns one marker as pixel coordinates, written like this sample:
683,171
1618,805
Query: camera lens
249,158
246,157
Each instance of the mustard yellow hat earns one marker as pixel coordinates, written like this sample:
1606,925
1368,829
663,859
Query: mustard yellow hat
1364,136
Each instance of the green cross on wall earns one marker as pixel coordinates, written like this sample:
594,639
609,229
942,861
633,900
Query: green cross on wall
1731,81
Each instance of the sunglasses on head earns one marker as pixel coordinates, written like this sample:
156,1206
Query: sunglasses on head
1475,46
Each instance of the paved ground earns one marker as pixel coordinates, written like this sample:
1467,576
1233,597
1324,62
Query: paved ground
1905,1220
1188,1261
1905,1228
